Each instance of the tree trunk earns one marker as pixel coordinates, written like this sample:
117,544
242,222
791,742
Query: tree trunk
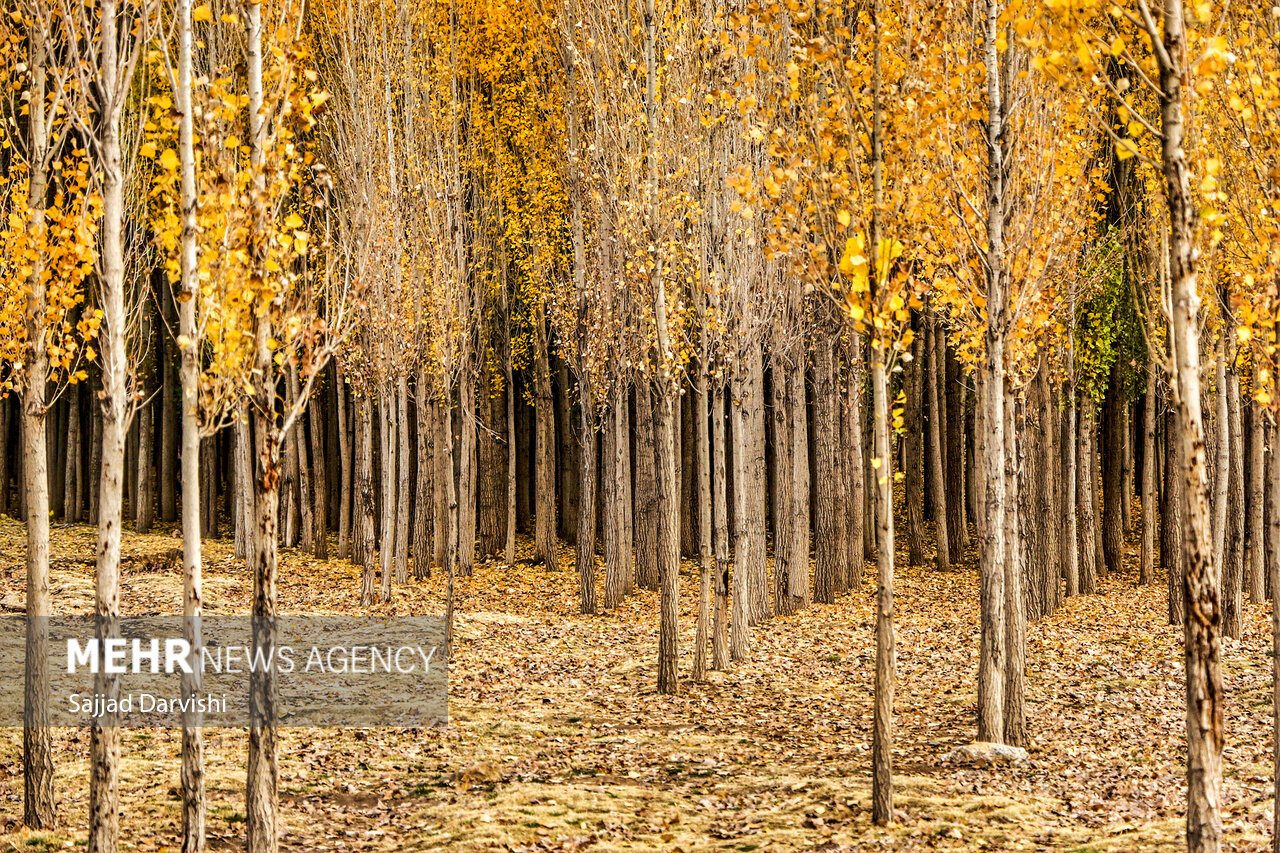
388,444
617,498
702,466
646,502
38,803
886,653
1015,614
1273,502
913,450
104,743
688,476
344,451
467,466
491,476
830,508
1233,565
1146,559
1202,643
403,482
1085,498
748,476
720,531
957,528
933,385
566,449
319,479
170,415
785,558
74,485
991,661
144,499
364,510
1255,541
544,545
858,495
1222,470
756,487
664,415
424,503
193,796
1171,522
585,541
798,423
1113,497
298,433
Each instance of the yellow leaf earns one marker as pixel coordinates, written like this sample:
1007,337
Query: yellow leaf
202,13
169,160
1125,149
1117,46
293,221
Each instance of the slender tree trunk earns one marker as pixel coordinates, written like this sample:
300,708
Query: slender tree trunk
720,531
756,487
1202,642
170,416
957,528
345,451
1222,470
1233,564
403,482
1146,559
886,653
193,797
585,554
424,502
831,538
1015,614
913,449
319,478
991,661
144,498
858,496
38,803
389,443
364,535
748,486
702,466
467,466
1273,540
941,498
545,545
785,557
798,422
1171,522
511,441
73,502
1255,542
646,517
298,434
104,743
1113,496
1085,498
441,410
617,497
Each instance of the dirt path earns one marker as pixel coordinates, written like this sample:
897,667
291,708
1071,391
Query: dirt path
558,741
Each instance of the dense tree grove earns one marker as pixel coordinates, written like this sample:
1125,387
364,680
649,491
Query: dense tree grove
791,291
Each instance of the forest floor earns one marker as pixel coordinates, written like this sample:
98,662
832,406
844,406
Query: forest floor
558,741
